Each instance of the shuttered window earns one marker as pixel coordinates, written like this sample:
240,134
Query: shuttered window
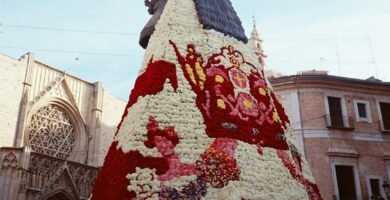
335,112
385,110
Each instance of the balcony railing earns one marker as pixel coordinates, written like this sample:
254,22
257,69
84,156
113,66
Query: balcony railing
342,122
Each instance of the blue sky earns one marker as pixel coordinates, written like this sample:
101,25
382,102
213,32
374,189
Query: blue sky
298,35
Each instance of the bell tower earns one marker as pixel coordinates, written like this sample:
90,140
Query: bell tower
256,42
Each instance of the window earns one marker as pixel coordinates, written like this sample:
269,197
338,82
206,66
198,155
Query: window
362,111
335,112
385,112
345,176
374,186
345,182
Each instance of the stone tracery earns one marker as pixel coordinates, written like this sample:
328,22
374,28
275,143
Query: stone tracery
51,132
10,161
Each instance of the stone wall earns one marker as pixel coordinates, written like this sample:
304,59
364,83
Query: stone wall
113,109
48,82
12,77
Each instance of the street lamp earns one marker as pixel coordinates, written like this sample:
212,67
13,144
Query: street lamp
386,187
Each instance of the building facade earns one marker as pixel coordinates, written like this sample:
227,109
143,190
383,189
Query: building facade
56,130
343,128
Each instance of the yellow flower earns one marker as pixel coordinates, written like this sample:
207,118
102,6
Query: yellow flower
201,75
200,72
247,104
219,79
275,116
190,73
221,104
262,91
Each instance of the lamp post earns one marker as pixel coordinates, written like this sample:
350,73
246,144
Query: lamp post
386,188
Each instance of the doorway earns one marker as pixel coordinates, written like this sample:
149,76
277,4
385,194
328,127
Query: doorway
59,196
346,182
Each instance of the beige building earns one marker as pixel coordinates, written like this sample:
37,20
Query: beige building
55,131
343,127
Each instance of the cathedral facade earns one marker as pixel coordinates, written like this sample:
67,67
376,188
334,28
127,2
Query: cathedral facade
56,129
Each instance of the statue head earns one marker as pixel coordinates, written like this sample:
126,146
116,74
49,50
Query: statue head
155,8
213,14
151,4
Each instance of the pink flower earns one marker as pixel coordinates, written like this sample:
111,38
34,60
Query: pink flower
247,104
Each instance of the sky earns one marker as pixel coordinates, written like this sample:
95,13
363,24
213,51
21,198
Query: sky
348,38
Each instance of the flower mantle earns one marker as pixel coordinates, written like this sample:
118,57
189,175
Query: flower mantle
202,122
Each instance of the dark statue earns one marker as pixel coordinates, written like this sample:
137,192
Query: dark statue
155,8
213,14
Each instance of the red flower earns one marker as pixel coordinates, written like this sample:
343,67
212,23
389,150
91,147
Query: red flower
217,168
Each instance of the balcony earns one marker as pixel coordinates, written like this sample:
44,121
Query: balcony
342,122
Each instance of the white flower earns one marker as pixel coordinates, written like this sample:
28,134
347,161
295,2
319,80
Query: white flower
144,183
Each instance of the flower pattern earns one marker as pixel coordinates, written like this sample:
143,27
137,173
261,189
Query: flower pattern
233,92
217,168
